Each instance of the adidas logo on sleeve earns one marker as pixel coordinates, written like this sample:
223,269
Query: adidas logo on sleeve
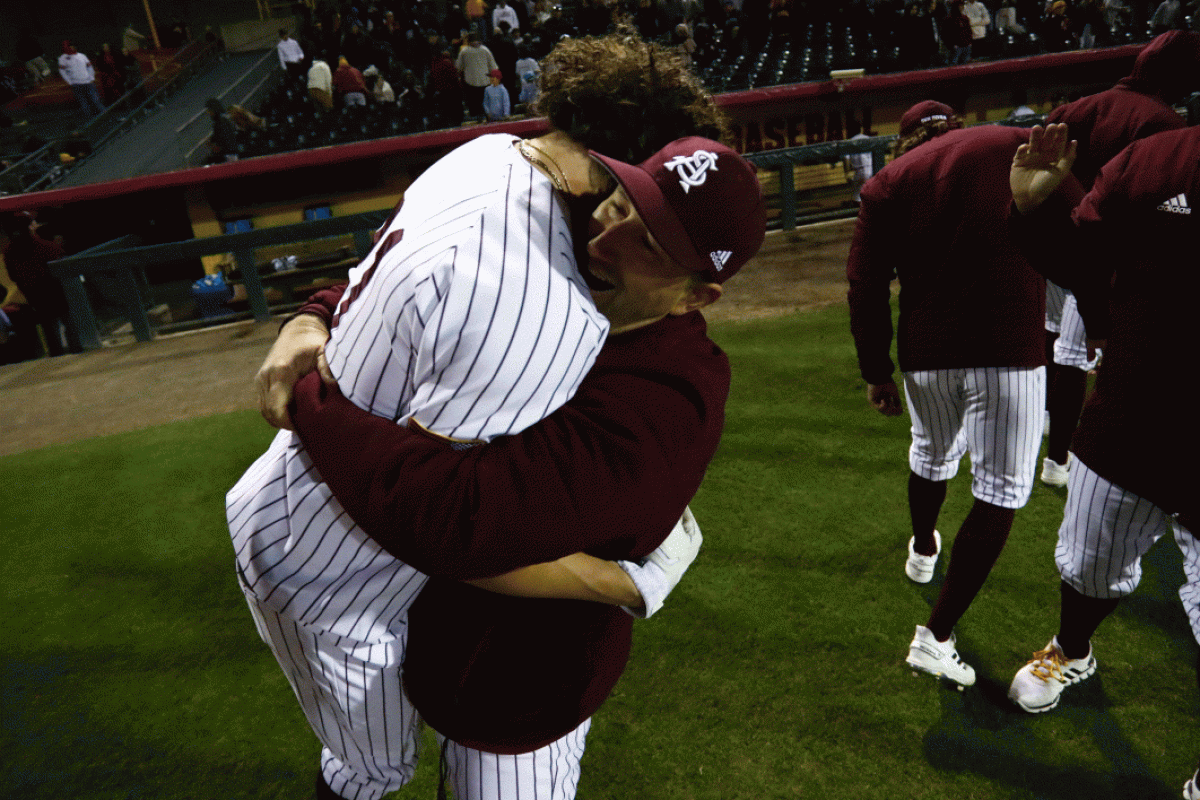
1176,205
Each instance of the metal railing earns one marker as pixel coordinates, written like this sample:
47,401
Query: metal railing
121,260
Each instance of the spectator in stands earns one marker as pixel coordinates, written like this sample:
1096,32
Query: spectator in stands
410,97
1116,15
496,103
80,75
381,90
1167,17
558,25
132,40
26,256
477,18
528,71
1056,28
320,84
504,50
956,34
1006,19
349,85
291,56
1087,23
110,75
357,47
683,43
245,120
980,19
29,51
503,12
475,63
444,90
915,37
223,141
73,147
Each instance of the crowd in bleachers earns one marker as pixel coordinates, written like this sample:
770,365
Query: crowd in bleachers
408,58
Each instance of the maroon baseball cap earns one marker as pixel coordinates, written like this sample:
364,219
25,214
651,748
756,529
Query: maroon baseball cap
925,112
701,201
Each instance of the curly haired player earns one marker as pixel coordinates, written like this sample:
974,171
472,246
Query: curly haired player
470,319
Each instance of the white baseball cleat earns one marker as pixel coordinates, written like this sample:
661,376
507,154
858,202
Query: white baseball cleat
1191,789
1055,474
1038,686
929,655
919,568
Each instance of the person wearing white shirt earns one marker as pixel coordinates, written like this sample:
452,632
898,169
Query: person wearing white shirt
320,84
503,12
980,18
291,56
80,75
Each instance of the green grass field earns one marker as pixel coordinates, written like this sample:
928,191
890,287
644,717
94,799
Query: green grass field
132,668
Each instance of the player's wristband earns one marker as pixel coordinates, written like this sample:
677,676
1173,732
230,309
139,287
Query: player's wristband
651,582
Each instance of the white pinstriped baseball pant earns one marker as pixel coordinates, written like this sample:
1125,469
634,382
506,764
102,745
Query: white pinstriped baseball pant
353,699
994,413
1070,348
1055,297
1104,534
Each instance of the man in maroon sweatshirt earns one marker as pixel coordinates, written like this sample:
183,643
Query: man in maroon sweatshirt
970,345
1128,251
500,677
1140,105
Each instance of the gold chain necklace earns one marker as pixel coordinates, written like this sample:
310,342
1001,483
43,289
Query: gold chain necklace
562,185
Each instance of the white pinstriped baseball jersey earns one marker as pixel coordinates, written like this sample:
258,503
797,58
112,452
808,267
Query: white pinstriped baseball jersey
468,316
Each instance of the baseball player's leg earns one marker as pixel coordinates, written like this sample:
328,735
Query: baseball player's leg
353,700
1066,395
1189,593
1104,533
1002,428
935,407
549,773
1055,297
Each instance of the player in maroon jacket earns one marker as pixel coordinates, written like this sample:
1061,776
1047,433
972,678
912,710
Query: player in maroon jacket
970,346
1134,483
1140,105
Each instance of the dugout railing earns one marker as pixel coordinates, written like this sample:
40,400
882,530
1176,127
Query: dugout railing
121,263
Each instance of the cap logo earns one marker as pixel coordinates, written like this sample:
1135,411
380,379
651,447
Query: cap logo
693,170
720,258
932,118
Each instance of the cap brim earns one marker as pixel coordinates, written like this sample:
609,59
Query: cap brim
656,214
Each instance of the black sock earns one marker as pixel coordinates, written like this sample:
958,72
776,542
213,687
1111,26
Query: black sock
925,498
977,545
1078,620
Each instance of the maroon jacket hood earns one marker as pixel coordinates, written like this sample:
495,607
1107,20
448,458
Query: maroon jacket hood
1168,67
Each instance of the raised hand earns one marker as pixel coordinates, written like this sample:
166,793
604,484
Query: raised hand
1040,167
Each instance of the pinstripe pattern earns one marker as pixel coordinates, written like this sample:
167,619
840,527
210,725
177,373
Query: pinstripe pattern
1104,534
1055,297
994,413
353,701
1070,349
468,315
549,773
